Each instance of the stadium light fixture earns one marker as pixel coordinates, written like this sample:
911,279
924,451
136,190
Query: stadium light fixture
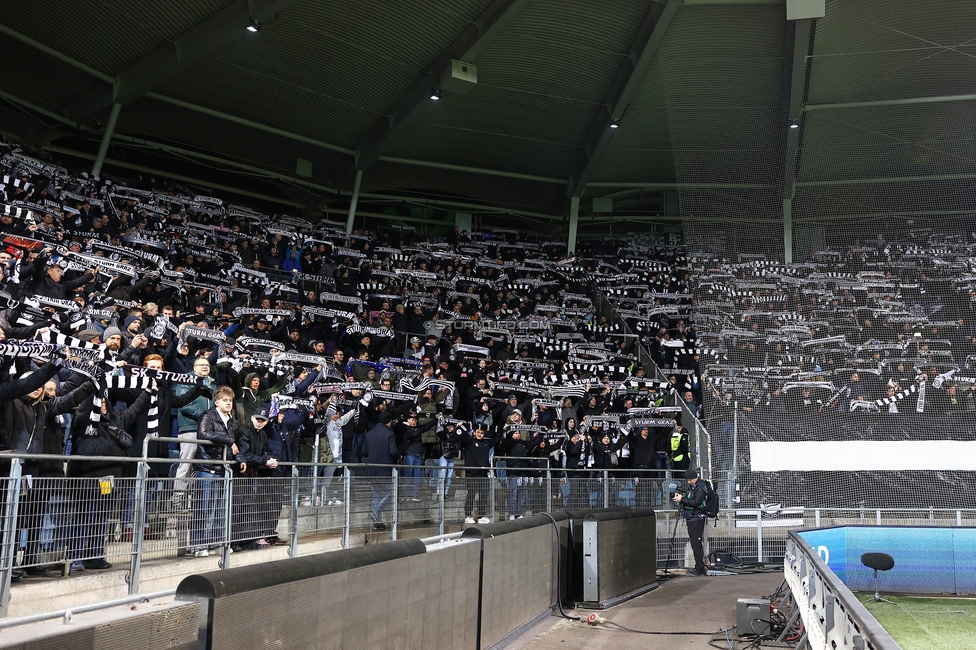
794,125
435,95
253,26
614,124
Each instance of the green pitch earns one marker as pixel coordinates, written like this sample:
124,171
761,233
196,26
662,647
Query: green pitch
928,623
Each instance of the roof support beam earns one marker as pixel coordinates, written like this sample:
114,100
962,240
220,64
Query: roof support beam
106,139
172,58
331,147
178,177
351,218
628,78
573,224
802,51
64,58
494,19
248,123
905,101
934,178
734,2
685,186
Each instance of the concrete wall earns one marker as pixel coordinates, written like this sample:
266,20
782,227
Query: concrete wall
518,576
476,591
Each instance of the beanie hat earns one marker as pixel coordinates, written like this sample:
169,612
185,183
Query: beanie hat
111,331
129,320
691,474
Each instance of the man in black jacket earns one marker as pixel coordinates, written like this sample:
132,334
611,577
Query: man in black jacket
692,504
50,284
380,448
256,501
411,433
642,452
27,424
217,426
10,392
477,462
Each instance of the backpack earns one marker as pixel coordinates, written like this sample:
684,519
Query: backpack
711,501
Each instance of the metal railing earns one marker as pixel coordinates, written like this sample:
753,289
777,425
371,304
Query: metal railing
700,439
832,616
139,514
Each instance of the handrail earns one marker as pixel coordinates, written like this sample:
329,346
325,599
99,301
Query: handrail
81,609
645,358
628,470
872,631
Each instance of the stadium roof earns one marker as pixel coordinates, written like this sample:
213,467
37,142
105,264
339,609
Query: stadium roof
704,93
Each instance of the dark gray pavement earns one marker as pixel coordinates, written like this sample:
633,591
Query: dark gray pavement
680,604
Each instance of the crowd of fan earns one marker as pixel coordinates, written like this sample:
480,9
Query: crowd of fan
879,329
133,313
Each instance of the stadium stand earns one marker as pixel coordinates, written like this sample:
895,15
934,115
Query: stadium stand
134,300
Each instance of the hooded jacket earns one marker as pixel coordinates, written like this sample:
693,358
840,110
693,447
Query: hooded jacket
29,426
247,402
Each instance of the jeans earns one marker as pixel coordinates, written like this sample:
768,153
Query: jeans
207,522
445,475
381,487
516,495
412,473
184,471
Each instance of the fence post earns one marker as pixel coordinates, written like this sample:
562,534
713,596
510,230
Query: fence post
491,495
315,474
958,517
816,518
759,539
228,513
9,544
138,527
548,490
735,453
347,512
441,489
606,488
396,503
293,533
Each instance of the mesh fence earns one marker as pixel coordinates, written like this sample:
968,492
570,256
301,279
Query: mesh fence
866,337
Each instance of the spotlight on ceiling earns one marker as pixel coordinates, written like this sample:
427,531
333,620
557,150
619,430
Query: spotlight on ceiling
253,26
435,95
794,125
614,124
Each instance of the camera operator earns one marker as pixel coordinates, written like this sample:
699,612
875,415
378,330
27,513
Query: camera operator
692,505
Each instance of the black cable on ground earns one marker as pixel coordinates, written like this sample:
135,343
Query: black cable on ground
559,570
661,633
